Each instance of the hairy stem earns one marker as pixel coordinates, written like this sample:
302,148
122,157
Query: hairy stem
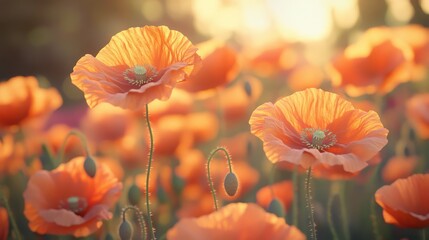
149,165
308,197
140,218
208,171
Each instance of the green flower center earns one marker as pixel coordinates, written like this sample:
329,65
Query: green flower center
140,75
74,204
317,138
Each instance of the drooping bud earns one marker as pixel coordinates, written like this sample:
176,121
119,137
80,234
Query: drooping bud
276,207
125,230
230,184
90,167
248,88
134,194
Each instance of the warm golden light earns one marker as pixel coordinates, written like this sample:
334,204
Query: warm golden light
262,22
400,10
301,20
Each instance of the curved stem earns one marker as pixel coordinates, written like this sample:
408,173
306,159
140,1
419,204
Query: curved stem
11,217
140,218
208,170
310,208
149,213
82,139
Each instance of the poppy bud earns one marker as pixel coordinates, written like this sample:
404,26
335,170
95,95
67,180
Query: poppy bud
89,166
247,88
230,184
46,158
178,183
108,237
277,208
161,194
125,230
134,194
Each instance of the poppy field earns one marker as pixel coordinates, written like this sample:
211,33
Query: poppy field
231,120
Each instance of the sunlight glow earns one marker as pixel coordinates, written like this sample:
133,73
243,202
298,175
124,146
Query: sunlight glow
259,21
425,5
152,10
401,10
301,20
345,12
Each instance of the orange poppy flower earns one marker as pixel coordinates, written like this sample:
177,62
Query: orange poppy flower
305,76
67,201
315,126
195,201
136,67
171,135
4,223
180,102
204,126
399,167
417,37
274,60
282,190
375,64
234,101
235,221
418,114
54,138
130,149
12,155
219,67
106,123
405,202
22,100
238,145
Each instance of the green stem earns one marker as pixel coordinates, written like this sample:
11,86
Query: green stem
140,218
423,234
344,213
82,139
208,171
11,217
149,213
374,222
295,183
310,208
329,212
